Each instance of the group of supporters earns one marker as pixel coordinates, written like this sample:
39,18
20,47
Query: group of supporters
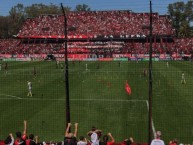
21,139
69,138
95,138
97,23
158,141
94,24
15,47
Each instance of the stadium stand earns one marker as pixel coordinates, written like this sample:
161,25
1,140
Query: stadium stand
96,23
124,24
14,46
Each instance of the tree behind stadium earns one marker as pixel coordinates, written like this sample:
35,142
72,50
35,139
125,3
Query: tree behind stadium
182,17
82,7
11,24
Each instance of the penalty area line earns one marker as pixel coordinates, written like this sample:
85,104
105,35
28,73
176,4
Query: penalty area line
152,124
110,100
47,99
10,96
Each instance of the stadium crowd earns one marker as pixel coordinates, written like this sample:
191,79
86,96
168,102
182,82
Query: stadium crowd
96,23
15,46
96,137
92,24
70,138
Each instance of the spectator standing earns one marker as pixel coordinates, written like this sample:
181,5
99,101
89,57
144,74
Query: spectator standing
157,140
94,135
9,140
129,141
106,140
20,140
31,140
82,141
173,142
70,138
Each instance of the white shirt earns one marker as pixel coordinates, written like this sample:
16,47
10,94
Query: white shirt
183,76
81,143
29,85
157,142
12,141
94,139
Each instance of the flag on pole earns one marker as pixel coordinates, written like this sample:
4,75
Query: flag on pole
127,88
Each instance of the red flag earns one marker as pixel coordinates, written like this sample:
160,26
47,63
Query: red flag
127,88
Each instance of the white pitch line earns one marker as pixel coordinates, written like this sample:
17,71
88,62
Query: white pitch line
10,96
153,127
44,99
110,100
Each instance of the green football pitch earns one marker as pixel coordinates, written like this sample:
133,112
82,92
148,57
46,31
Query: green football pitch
97,98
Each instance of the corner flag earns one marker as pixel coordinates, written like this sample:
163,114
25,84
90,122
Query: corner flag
127,88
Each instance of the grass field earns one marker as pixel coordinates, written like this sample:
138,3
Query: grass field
97,97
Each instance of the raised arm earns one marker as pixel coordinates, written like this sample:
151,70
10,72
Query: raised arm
111,137
89,133
75,129
67,129
12,139
24,127
98,131
86,141
36,139
131,139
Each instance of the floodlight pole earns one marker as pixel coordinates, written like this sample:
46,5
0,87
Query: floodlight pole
150,78
66,68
